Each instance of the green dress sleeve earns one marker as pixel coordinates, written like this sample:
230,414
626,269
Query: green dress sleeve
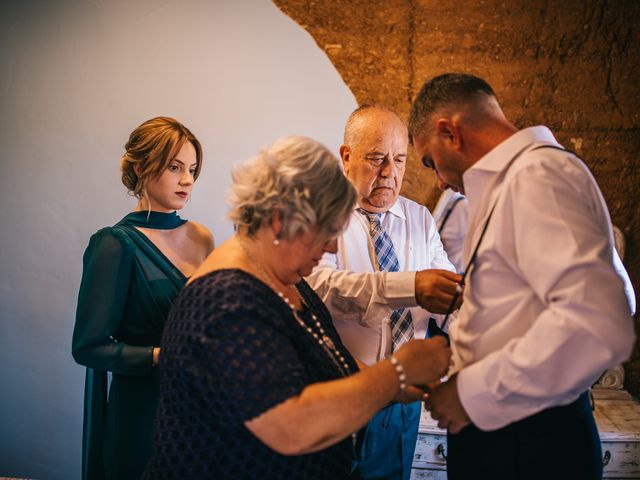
107,269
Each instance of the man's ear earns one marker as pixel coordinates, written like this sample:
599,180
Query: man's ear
449,132
345,151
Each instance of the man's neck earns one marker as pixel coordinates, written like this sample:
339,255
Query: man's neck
488,139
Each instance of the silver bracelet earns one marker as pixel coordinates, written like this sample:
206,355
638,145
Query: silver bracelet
402,377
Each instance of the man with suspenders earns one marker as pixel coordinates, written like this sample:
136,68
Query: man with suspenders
544,311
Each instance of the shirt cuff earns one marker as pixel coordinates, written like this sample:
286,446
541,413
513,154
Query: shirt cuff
477,400
400,289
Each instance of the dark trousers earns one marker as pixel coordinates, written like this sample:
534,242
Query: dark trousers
559,443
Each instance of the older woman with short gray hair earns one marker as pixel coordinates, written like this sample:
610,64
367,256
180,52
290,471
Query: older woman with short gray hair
298,178
255,382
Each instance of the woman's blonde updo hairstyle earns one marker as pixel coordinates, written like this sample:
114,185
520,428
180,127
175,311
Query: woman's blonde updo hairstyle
150,149
298,177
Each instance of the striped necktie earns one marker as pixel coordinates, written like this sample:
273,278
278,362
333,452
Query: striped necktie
401,321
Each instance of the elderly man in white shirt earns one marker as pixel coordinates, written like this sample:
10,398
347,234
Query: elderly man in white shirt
544,312
376,307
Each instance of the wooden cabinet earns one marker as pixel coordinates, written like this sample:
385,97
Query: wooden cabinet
430,456
617,416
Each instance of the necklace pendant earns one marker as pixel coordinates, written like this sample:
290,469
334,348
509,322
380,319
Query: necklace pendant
328,342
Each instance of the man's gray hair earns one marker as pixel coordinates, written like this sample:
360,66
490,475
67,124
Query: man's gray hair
298,177
354,126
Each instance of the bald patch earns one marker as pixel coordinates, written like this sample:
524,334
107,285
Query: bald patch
366,117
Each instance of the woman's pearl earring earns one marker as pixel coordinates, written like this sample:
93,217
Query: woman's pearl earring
276,242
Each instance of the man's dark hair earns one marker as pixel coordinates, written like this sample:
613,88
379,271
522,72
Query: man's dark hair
445,89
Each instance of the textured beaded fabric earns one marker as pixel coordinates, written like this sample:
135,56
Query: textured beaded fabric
231,350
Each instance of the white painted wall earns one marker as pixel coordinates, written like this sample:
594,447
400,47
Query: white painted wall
77,77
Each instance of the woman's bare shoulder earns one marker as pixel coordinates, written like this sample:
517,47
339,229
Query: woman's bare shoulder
201,235
224,257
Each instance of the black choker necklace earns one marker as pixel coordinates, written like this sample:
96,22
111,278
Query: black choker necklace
156,220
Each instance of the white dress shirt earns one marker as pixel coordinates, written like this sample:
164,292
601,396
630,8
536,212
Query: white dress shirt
359,296
544,312
455,229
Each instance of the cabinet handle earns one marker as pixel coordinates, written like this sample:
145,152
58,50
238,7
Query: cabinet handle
607,458
442,452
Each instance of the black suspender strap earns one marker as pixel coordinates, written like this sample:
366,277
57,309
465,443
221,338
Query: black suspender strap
484,230
448,214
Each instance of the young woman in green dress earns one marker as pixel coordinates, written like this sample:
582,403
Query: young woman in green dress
132,272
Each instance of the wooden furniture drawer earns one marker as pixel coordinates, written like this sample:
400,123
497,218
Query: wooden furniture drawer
621,459
430,450
617,415
430,456
420,474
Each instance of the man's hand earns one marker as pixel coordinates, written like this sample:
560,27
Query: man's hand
435,289
444,404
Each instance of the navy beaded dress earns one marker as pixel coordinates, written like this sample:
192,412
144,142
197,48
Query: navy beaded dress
231,350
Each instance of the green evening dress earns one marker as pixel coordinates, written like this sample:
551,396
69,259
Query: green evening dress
127,289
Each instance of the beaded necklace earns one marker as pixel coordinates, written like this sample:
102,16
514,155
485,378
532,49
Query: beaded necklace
321,337
325,342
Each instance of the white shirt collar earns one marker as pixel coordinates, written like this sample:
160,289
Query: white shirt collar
477,177
497,159
395,209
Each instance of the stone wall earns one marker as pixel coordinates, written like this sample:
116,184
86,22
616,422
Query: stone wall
571,65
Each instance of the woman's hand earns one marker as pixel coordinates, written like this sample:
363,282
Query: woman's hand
424,361
409,395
